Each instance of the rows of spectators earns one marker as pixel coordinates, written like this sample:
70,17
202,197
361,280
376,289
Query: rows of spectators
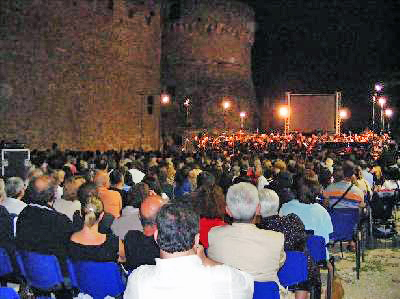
183,221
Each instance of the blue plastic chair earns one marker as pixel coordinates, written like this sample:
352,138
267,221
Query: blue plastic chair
43,272
5,263
294,270
345,223
8,293
317,248
99,279
266,290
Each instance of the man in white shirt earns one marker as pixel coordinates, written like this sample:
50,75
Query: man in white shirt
137,175
15,189
183,271
242,245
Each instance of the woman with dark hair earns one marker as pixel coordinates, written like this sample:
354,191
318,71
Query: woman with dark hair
182,184
209,203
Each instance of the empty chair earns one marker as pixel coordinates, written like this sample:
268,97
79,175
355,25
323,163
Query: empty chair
8,293
99,279
345,223
317,248
294,270
266,290
43,272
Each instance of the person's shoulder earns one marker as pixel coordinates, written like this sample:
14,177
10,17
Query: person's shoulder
142,272
221,274
219,229
270,234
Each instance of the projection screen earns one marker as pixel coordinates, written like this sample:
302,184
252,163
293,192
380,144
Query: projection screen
313,112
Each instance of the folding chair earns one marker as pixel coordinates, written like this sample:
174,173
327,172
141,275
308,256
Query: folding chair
99,279
316,247
8,293
294,270
6,268
345,223
264,290
43,273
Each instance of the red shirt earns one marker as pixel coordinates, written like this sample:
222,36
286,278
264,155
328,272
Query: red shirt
205,225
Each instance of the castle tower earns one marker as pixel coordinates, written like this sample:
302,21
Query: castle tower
206,57
85,74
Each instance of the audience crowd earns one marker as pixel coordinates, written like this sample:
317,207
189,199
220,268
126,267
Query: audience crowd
214,219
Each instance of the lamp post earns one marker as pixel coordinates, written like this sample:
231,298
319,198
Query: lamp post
343,114
388,114
378,88
225,104
187,106
284,113
382,102
242,116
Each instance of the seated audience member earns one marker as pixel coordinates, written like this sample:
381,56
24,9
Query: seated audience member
112,200
314,216
39,226
70,203
242,245
117,182
290,226
354,197
129,219
86,191
366,174
209,203
136,174
392,179
42,229
361,182
295,236
181,271
89,243
59,176
140,246
15,190
6,223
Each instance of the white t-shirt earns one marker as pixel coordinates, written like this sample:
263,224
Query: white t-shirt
186,277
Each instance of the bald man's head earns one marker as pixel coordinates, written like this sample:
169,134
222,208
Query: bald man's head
150,208
102,179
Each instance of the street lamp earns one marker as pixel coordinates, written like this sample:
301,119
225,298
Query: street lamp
226,105
242,116
382,102
284,113
388,114
378,88
186,103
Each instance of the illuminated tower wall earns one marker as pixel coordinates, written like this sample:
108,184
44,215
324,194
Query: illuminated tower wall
206,56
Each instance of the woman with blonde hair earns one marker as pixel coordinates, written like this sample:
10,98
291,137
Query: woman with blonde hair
89,243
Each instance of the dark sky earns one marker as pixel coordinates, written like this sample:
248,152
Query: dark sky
321,46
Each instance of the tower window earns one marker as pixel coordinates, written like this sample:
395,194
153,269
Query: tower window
150,105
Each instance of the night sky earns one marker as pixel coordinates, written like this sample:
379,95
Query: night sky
323,46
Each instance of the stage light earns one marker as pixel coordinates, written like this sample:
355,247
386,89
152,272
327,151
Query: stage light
284,112
242,114
344,113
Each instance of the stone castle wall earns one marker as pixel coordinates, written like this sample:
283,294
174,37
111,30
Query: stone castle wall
207,57
84,74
